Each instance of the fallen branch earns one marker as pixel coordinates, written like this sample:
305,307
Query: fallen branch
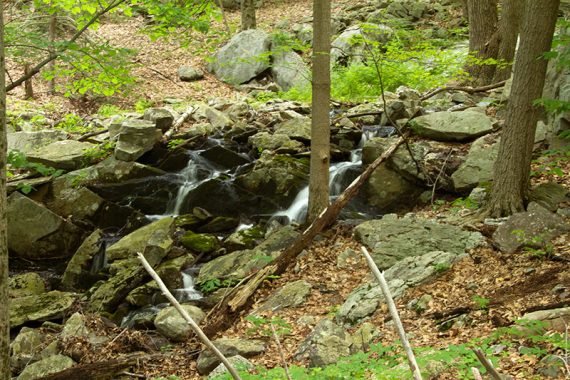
394,313
187,317
179,122
91,134
280,349
467,89
476,373
228,311
487,364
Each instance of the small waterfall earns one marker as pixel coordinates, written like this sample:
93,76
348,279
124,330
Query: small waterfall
188,292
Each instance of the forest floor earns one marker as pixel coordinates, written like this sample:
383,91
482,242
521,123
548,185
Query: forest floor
512,283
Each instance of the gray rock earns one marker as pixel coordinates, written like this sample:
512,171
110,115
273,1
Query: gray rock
207,361
239,264
218,120
393,239
47,366
157,234
533,228
280,143
42,307
347,258
66,155
478,165
135,138
243,57
453,126
78,203
296,129
189,74
27,142
26,284
390,191
34,232
238,362
289,71
291,295
161,117
551,366
325,345
172,325
76,275
75,327
407,9
26,347
555,319
349,46
363,337
549,195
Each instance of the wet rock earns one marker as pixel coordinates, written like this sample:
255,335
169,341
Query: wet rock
291,295
77,274
239,264
325,345
289,70
156,234
224,157
172,325
219,224
241,59
47,366
42,307
453,126
161,117
207,361
34,232
200,243
189,74
392,238
533,228
27,142
26,284
478,165
244,239
135,138
66,155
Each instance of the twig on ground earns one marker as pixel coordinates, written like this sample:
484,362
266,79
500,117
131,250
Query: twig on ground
467,89
187,317
394,312
487,364
280,349
179,122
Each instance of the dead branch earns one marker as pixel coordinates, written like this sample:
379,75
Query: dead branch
228,311
193,325
394,313
179,122
476,373
91,134
164,76
467,89
280,349
487,364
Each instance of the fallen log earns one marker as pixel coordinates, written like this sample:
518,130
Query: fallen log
467,89
229,311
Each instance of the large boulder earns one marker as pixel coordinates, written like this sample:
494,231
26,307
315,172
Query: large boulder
66,155
135,138
325,345
161,117
78,203
533,228
350,47
26,284
34,232
290,295
478,165
239,264
27,142
45,367
297,128
453,126
217,119
392,239
42,307
243,57
172,325
278,142
207,360
77,274
26,347
156,234
289,71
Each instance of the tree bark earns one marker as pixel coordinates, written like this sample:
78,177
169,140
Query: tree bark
508,33
4,315
320,122
248,20
483,38
512,168
28,84
52,30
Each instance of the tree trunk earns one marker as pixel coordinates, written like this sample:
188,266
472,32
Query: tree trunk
320,122
28,84
52,35
508,33
512,168
248,14
4,316
483,39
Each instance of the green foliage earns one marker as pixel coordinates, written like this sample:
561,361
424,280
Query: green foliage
72,123
214,284
98,152
142,104
467,203
17,161
552,161
535,246
108,110
262,326
174,143
481,302
442,267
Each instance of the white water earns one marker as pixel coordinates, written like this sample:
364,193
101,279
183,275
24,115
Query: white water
188,291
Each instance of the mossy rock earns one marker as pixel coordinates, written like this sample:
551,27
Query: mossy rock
188,221
26,284
200,243
219,224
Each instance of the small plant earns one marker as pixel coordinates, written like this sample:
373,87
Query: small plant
18,160
262,326
72,123
214,284
481,302
441,267
108,110
98,152
536,246
143,104
467,203
174,143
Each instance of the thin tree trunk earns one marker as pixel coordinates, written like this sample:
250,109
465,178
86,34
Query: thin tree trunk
512,168
508,31
248,20
483,39
320,123
4,315
28,84
52,36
